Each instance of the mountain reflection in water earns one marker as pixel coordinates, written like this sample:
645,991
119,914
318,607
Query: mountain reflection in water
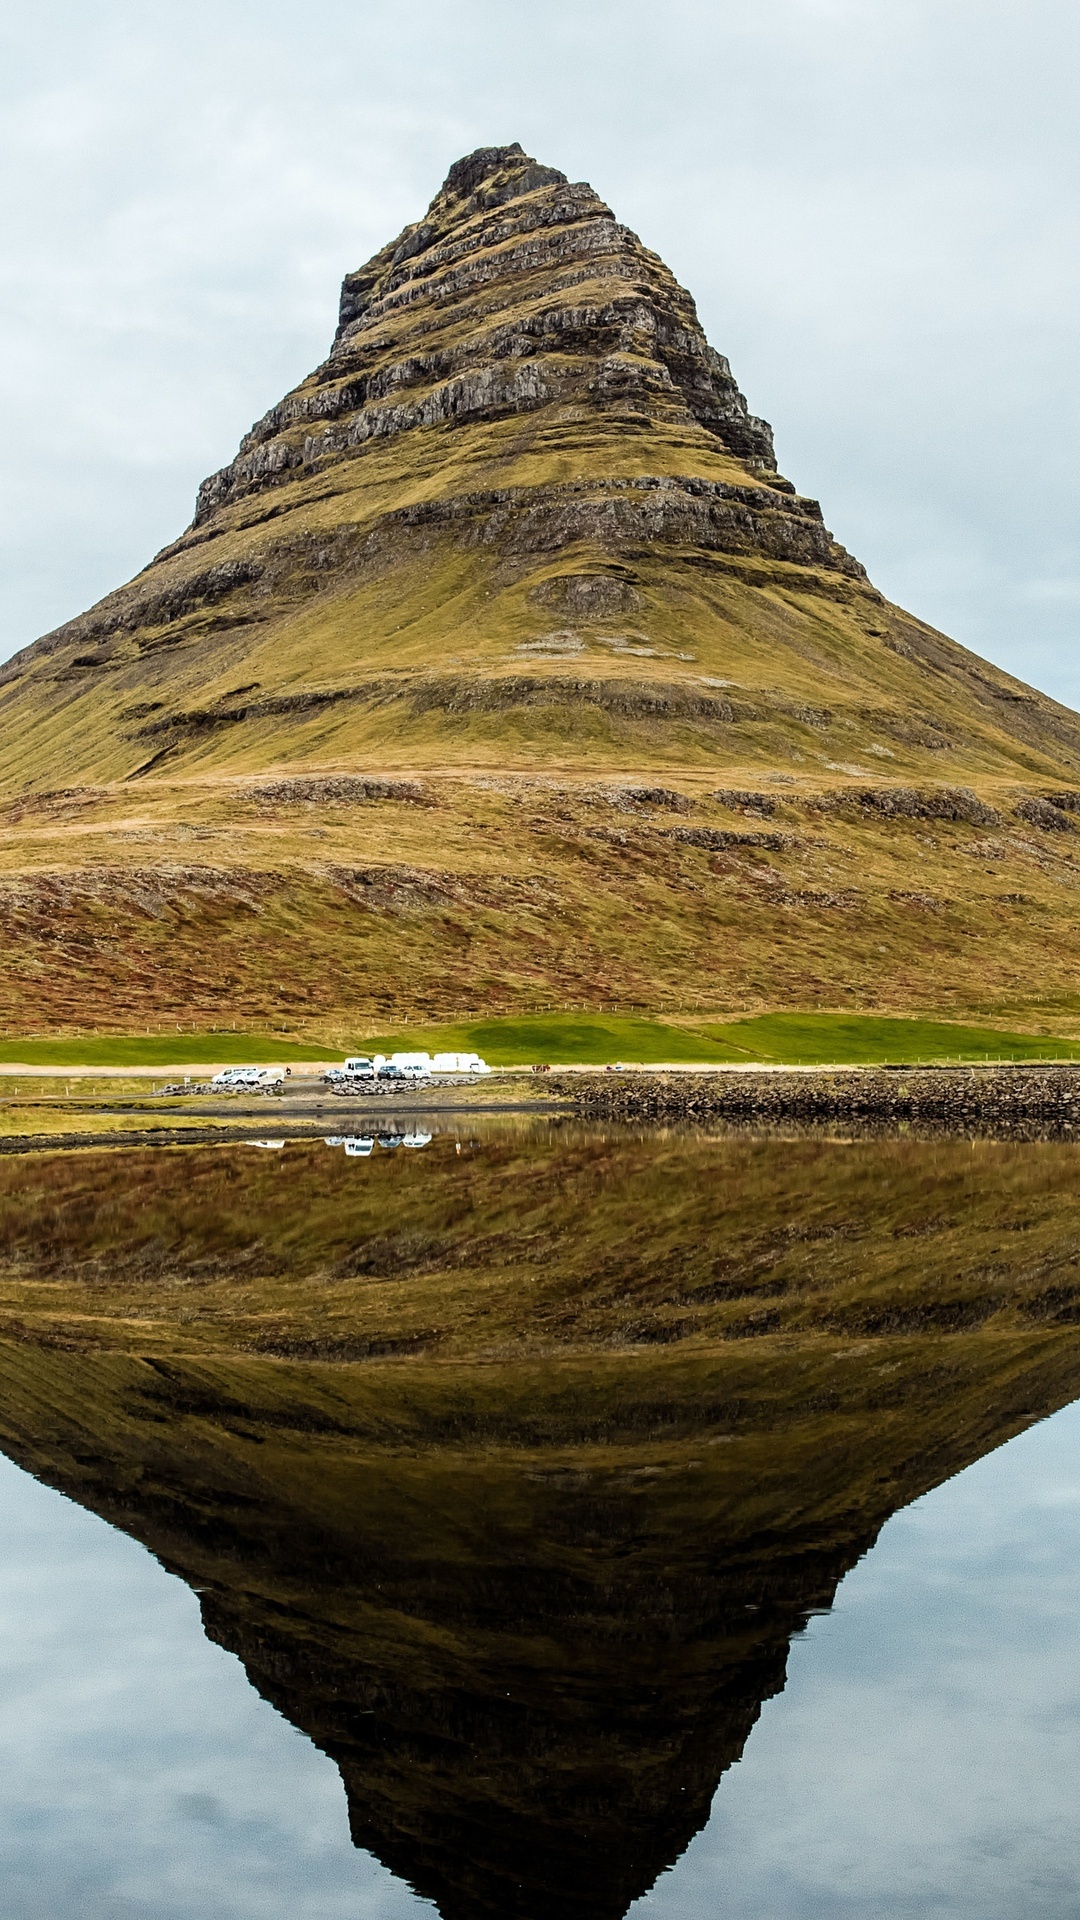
509,1473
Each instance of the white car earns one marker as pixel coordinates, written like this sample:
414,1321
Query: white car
249,1077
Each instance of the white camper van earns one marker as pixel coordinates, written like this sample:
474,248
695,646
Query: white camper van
236,1077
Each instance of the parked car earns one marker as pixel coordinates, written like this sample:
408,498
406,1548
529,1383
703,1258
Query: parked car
237,1077
357,1067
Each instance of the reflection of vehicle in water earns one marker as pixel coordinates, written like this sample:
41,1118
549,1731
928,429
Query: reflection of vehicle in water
274,1146
359,1146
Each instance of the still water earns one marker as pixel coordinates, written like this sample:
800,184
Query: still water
689,1624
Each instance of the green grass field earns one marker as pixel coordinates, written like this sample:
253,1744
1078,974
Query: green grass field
825,1039
775,1039
580,1040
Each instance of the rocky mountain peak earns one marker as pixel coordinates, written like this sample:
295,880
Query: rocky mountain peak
517,291
503,173
522,487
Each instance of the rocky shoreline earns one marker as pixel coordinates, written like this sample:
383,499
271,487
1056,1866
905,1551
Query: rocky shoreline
1023,1101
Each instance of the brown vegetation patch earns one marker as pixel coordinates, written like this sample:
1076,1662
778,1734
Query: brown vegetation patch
1051,817
719,839
911,803
738,800
630,699
663,799
337,790
63,803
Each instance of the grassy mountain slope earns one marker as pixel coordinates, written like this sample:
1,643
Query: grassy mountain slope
362,738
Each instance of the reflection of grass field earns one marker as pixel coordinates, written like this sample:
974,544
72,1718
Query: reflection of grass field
585,1039
782,1038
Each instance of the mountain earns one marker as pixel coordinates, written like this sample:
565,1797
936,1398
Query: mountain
510,1474
511,578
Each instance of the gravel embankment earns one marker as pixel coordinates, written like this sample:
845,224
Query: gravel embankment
1019,1100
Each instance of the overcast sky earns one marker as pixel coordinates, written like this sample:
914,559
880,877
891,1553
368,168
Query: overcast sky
873,201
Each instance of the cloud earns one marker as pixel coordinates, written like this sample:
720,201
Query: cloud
922,1757
140,1774
876,209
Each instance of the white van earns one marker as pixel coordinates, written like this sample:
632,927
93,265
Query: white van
237,1077
358,1067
